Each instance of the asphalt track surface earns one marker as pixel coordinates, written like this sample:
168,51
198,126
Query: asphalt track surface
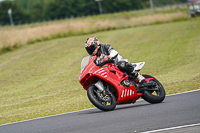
176,110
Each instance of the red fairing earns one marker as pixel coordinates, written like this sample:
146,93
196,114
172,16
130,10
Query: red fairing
148,79
112,75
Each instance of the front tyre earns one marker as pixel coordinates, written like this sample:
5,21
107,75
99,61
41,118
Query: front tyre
155,94
105,102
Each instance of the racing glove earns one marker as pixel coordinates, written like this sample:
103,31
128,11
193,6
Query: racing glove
103,61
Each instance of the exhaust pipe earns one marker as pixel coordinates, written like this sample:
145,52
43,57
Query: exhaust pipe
148,84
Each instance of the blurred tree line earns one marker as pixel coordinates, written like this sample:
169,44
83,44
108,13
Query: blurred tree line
27,11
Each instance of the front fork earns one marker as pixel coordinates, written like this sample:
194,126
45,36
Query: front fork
100,86
102,94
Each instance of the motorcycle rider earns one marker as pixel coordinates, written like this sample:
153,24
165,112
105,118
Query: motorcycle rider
107,54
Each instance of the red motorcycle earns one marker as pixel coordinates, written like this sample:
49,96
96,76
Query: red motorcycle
107,85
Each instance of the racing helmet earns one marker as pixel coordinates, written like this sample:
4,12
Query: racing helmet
92,45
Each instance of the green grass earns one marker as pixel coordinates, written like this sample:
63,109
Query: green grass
42,79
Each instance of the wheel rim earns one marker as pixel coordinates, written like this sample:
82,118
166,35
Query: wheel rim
104,99
155,90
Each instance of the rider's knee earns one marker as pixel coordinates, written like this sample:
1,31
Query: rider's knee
125,66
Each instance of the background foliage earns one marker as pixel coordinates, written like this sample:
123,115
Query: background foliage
39,10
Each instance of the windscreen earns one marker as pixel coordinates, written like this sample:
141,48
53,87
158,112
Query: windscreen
84,62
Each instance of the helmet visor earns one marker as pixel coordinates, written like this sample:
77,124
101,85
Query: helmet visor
91,49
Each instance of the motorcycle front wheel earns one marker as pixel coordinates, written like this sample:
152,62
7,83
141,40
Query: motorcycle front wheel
103,101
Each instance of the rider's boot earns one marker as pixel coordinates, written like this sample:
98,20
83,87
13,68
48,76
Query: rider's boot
139,77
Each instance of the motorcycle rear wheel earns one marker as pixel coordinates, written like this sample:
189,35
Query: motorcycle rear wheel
103,102
154,96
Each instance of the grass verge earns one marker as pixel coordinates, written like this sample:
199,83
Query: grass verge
42,79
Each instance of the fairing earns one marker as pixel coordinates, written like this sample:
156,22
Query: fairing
110,74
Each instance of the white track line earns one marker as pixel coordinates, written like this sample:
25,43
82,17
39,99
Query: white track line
45,117
184,92
171,128
83,110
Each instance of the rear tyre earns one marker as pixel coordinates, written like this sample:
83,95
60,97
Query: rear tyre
105,102
154,94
